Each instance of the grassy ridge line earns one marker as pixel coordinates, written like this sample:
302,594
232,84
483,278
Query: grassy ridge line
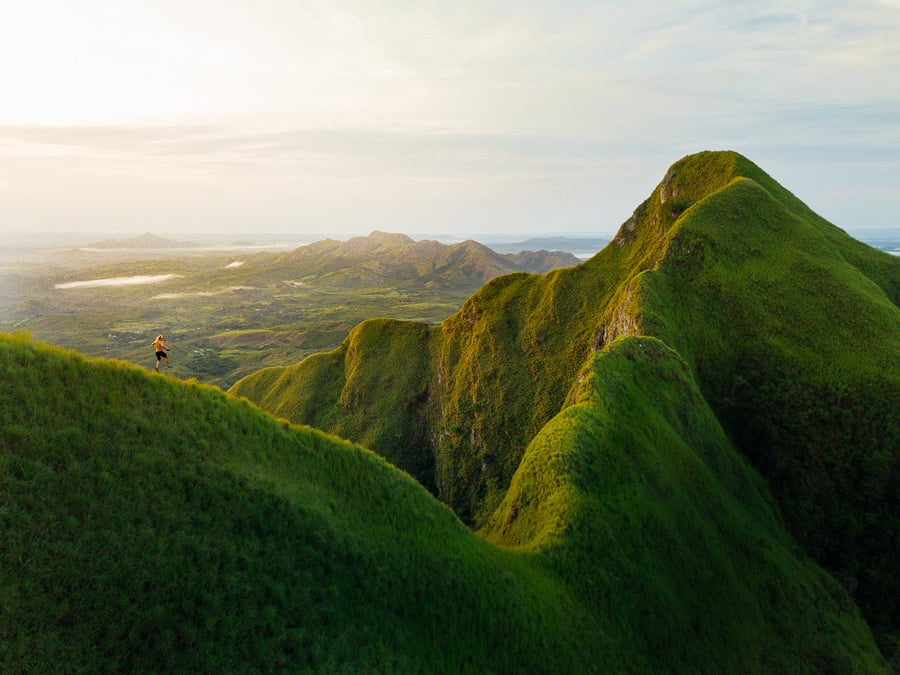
483,386
789,325
801,362
879,266
152,525
502,366
381,408
636,497
764,262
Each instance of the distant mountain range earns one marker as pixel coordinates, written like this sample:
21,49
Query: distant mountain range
397,259
574,245
885,239
144,241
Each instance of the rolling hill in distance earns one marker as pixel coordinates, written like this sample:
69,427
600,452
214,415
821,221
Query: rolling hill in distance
582,247
677,456
228,314
143,241
372,260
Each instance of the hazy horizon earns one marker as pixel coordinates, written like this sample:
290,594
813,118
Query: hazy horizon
25,246
86,238
512,119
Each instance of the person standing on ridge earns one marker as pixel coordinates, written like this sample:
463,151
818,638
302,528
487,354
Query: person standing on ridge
162,352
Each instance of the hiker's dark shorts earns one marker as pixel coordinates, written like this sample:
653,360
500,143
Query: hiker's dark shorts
160,355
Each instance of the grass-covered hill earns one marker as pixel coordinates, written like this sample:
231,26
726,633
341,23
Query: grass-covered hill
149,525
382,256
790,328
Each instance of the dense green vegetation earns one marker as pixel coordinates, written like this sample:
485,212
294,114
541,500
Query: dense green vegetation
801,361
227,316
639,500
150,524
790,328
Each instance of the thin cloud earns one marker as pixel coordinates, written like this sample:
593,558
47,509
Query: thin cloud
210,110
118,281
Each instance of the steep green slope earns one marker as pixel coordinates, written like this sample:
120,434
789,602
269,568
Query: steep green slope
153,525
790,327
801,361
380,408
637,483
499,370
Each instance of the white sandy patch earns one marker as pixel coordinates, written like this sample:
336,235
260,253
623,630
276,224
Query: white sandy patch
236,263
201,294
118,281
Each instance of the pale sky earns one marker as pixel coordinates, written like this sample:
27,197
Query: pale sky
460,118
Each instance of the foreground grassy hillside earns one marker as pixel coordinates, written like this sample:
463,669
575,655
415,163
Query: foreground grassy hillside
790,327
148,525
151,525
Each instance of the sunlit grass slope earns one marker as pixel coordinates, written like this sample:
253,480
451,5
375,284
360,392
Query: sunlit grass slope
150,525
475,389
153,525
381,408
635,496
790,327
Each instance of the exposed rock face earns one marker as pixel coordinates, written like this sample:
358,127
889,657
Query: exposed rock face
666,190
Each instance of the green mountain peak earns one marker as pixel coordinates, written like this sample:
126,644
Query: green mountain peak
788,326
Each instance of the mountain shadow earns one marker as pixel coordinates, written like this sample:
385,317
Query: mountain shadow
789,327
